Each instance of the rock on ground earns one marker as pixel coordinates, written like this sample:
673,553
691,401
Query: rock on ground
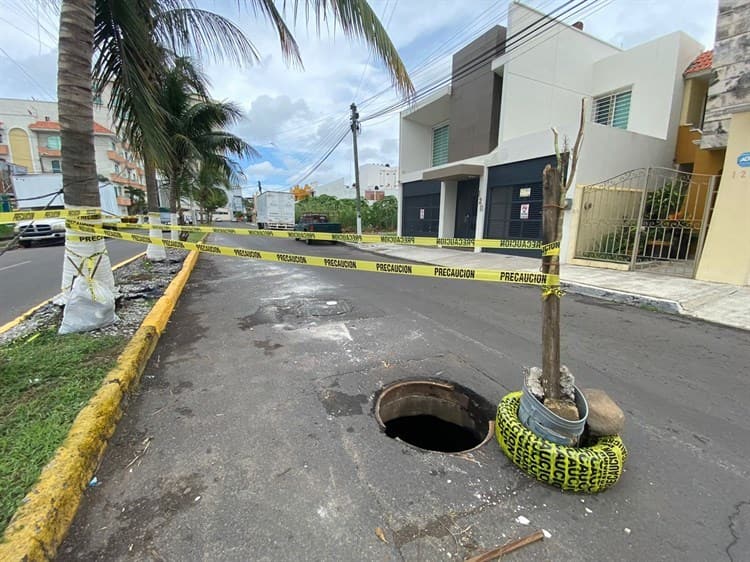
605,416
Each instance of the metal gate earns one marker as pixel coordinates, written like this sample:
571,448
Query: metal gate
652,219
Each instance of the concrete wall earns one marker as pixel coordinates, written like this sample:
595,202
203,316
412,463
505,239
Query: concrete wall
475,97
415,146
726,253
544,79
730,85
448,196
337,188
693,100
654,71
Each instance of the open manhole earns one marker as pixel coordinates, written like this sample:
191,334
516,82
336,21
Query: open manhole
329,307
435,415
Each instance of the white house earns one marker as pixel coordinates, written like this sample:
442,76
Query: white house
377,181
472,155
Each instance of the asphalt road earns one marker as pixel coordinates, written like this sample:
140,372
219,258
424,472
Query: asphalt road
253,436
29,276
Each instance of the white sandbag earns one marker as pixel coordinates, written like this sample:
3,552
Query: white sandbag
91,305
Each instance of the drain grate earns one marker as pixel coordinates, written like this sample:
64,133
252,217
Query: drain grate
327,307
435,416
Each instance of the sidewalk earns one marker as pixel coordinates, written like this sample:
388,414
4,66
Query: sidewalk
724,304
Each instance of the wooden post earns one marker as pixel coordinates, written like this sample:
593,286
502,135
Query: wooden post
551,181
552,219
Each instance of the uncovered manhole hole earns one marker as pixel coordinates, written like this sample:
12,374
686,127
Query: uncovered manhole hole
435,415
329,307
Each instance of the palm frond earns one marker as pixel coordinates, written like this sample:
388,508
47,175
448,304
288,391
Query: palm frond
201,33
268,9
357,19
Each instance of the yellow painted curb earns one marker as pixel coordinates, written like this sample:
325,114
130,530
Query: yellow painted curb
41,523
16,321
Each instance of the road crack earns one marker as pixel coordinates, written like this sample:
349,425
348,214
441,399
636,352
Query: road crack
735,537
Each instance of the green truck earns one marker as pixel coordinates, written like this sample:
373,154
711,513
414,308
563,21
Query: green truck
316,222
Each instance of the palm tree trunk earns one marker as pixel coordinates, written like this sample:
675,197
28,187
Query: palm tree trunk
75,104
154,252
174,201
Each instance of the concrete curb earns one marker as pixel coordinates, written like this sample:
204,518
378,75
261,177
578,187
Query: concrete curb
41,523
662,305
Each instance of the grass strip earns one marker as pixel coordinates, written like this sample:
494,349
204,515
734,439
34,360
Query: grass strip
45,380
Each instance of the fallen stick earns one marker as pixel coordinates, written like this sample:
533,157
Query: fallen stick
507,548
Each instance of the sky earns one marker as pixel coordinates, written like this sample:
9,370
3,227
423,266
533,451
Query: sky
294,116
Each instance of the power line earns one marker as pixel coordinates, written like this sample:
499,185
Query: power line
29,76
323,158
466,69
529,32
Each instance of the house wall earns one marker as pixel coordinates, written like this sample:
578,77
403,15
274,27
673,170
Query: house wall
726,253
654,70
545,78
475,97
415,146
730,85
693,100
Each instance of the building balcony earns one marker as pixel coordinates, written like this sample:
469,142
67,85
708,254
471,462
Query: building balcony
49,152
116,178
124,201
115,157
4,150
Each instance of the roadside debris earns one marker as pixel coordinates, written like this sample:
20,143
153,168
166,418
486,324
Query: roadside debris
507,548
380,533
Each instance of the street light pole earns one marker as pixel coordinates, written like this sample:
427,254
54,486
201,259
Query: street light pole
355,131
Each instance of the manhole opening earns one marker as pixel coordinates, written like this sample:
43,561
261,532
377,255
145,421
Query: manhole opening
435,416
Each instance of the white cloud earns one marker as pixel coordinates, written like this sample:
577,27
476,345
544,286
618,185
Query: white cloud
262,170
295,113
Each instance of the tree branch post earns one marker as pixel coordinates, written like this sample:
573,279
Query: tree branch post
551,181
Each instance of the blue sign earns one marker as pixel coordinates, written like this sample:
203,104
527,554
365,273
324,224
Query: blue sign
744,160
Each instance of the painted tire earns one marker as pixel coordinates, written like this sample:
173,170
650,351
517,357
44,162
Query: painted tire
576,469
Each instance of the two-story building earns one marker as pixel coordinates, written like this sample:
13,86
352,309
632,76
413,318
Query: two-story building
472,154
30,139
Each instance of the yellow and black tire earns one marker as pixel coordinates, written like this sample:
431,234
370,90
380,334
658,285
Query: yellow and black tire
576,469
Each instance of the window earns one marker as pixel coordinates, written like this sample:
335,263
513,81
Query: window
53,142
56,169
117,168
98,101
113,145
613,110
440,145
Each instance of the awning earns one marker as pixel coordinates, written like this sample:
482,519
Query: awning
454,172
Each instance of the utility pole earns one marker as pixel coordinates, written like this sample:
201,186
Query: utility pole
355,131
260,187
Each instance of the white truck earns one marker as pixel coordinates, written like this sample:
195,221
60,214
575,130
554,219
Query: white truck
275,210
39,191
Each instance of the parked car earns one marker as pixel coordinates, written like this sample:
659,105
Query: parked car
40,230
316,222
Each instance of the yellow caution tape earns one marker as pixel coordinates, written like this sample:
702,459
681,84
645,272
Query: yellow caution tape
16,216
497,276
552,249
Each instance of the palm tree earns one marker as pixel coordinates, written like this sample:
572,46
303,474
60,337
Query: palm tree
209,189
194,126
132,37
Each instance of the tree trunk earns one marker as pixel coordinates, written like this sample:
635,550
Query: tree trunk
154,252
551,301
174,202
76,114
